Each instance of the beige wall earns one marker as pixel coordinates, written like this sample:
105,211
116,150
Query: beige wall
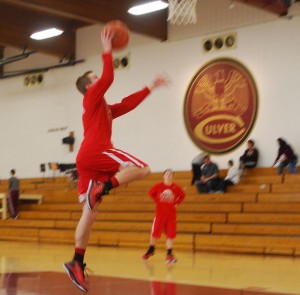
155,131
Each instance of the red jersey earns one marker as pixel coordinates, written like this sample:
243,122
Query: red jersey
166,197
98,115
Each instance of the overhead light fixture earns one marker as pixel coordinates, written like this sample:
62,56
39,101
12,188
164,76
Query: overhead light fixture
49,33
148,7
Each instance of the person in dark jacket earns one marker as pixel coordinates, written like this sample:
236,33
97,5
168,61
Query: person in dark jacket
286,157
249,158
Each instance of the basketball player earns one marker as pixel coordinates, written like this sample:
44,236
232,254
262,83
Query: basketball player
101,167
167,196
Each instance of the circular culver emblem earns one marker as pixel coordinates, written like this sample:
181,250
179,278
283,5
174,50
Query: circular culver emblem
220,106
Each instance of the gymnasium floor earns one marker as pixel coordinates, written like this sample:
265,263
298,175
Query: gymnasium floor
30,269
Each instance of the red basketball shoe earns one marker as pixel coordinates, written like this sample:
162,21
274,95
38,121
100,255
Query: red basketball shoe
171,259
76,273
94,193
147,255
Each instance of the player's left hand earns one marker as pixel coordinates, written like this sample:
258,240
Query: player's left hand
159,81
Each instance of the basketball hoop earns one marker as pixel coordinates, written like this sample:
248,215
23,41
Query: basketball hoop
182,12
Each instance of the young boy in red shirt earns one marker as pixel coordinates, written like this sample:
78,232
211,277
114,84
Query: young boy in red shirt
167,196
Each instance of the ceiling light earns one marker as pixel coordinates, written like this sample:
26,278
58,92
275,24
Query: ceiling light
148,7
49,33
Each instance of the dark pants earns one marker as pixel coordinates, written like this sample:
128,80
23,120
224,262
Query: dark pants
216,184
227,183
196,173
13,202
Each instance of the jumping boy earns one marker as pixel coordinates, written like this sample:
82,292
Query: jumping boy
101,167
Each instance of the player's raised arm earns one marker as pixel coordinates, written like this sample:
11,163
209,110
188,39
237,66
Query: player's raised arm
132,101
99,86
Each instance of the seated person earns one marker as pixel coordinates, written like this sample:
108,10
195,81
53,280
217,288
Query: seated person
250,157
233,175
286,157
210,181
197,162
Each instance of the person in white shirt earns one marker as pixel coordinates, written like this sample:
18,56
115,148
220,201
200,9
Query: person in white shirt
233,175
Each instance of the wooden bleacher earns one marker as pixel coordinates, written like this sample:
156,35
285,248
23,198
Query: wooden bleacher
3,208
259,215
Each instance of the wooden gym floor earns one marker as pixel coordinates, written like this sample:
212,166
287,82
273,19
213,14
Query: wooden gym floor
31,269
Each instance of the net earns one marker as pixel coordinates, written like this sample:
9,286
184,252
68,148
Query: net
182,12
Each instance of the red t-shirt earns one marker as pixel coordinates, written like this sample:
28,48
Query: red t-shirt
98,115
166,197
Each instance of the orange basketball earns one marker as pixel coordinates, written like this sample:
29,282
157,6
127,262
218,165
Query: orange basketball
121,33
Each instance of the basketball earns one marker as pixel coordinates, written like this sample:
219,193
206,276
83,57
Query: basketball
121,33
